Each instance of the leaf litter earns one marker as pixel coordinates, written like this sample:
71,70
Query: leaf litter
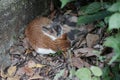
28,65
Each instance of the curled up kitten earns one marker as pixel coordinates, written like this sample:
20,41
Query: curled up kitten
46,38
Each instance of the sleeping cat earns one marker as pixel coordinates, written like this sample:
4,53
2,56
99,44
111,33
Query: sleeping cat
44,37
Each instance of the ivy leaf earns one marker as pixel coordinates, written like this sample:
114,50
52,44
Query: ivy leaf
91,18
64,2
93,7
95,78
83,74
114,42
115,7
96,71
114,21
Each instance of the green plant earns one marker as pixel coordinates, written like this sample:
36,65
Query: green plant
111,73
114,23
110,13
64,2
93,12
92,73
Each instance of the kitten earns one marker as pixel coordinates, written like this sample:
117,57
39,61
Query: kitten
44,37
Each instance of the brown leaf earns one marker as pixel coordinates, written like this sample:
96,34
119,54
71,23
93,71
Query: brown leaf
28,51
77,62
91,40
25,70
90,27
11,71
36,76
20,71
28,71
86,52
39,65
31,64
65,73
3,75
25,43
14,78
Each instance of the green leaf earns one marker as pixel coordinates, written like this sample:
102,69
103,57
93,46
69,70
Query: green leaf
58,75
83,74
106,72
114,42
114,21
96,71
91,18
64,2
95,78
115,7
93,7
72,73
106,5
106,19
101,24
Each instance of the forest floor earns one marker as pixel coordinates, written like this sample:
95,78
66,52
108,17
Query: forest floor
85,51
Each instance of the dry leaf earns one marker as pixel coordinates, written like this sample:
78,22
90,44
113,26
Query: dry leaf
77,62
31,64
20,71
14,78
36,76
28,51
25,70
65,73
3,75
86,52
91,40
25,43
90,27
39,65
11,71
28,71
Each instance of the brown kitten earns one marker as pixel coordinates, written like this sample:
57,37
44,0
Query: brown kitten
43,38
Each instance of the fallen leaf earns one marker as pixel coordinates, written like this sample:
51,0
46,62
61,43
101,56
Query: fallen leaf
2,74
28,51
17,50
31,64
14,78
20,71
91,40
25,70
28,71
25,43
90,27
65,74
86,51
77,62
36,76
39,65
11,71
